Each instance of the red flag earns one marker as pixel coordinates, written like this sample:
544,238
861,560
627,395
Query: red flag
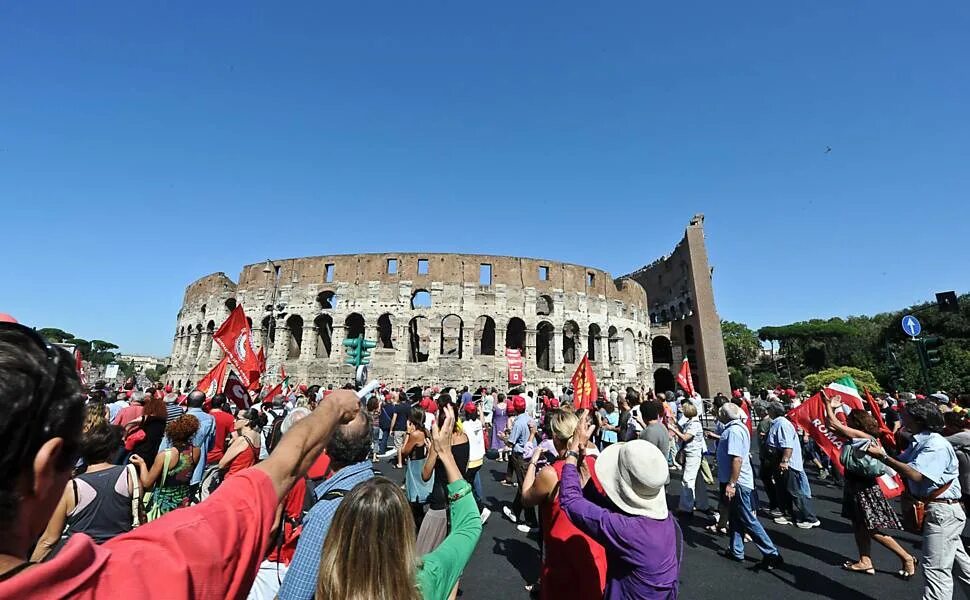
236,340
236,391
685,379
211,384
584,385
278,387
811,416
514,358
80,367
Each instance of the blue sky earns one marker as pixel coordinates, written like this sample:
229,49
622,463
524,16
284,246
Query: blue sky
143,146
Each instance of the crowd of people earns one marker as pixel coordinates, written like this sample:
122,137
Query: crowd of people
168,493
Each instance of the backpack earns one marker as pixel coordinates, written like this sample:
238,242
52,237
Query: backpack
275,431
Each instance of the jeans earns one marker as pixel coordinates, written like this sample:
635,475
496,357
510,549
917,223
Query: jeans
942,547
471,476
796,484
385,437
688,498
742,519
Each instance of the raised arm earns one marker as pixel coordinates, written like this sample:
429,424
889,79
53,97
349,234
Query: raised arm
833,423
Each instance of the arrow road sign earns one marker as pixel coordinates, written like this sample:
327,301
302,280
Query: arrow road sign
912,326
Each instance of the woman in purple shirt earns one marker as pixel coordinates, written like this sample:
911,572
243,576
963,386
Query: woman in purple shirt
642,540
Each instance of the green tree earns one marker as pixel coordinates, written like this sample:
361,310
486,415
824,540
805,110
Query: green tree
55,335
157,373
741,344
817,381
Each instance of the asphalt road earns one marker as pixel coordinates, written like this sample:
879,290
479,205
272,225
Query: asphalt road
506,560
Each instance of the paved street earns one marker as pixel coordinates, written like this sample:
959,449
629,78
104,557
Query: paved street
506,560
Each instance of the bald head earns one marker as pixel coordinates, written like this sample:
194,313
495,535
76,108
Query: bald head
196,399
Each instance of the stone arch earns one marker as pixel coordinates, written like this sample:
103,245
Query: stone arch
419,339
515,334
630,346
354,325
594,341
210,328
689,335
613,344
179,387
485,336
268,333
250,321
662,351
385,337
327,300
544,305
663,380
421,299
451,336
295,339
544,335
230,304
324,337
570,337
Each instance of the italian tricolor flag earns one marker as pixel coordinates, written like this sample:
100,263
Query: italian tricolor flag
847,390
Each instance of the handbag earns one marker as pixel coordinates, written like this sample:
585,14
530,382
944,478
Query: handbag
681,457
859,463
914,509
138,516
135,436
154,509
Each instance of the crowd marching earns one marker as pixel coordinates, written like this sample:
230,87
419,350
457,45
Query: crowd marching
162,493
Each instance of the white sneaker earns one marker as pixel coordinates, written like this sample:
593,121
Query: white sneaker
783,520
808,524
526,529
485,515
508,514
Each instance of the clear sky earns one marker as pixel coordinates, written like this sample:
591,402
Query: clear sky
143,146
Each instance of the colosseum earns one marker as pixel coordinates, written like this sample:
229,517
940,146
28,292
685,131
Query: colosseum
448,319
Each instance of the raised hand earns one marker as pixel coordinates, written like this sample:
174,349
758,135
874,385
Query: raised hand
441,436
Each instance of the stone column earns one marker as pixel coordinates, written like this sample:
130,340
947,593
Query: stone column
434,346
556,362
308,349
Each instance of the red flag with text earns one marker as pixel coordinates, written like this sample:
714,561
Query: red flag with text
235,390
514,357
584,385
211,384
685,379
236,340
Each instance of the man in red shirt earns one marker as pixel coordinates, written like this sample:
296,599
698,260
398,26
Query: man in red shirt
224,424
210,550
132,411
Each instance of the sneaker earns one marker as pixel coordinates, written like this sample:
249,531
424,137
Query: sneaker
508,514
485,515
526,529
772,561
808,524
783,520
774,513
823,474
730,556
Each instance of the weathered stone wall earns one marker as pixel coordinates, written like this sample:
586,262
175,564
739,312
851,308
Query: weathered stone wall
563,310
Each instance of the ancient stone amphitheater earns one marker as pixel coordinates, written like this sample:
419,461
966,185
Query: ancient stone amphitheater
437,319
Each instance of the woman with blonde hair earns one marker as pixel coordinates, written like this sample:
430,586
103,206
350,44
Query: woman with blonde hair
690,432
370,551
573,564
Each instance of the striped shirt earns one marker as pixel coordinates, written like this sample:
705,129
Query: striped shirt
173,411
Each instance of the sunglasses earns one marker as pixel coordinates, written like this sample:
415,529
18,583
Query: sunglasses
45,388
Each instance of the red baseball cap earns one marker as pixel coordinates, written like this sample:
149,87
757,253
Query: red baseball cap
518,404
469,407
168,389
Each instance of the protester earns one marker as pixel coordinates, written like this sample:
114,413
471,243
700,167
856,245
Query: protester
371,551
434,526
737,486
642,540
144,435
472,427
653,430
863,501
243,452
224,426
609,425
500,425
96,502
415,451
204,437
573,564
794,492
349,453
523,432
131,412
399,427
172,468
931,470
385,419
691,436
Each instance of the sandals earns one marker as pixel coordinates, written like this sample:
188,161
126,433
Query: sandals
851,566
906,574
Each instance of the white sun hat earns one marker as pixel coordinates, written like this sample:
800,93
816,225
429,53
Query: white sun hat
634,474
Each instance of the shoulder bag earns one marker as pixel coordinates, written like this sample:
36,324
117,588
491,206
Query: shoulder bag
138,516
914,509
154,509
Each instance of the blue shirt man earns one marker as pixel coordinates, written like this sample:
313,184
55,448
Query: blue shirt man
782,436
520,433
350,446
933,456
735,442
204,437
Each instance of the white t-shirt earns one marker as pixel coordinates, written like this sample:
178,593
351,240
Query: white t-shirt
636,417
476,440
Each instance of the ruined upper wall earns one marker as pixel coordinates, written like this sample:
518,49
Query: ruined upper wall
207,286
446,268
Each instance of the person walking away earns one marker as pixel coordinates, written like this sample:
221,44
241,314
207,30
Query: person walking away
98,502
520,437
500,423
643,543
609,425
929,466
371,551
225,424
653,431
132,411
415,451
243,452
573,564
172,470
384,421
399,426
691,436
768,464
349,452
203,439
374,410
784,439
151,424
960,440
737,486
472,427
863,502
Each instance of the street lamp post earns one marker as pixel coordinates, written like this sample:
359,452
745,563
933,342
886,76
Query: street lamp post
275,309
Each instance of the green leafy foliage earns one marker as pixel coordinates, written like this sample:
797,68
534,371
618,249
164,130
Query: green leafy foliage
863,379
741,344
98,352
157,373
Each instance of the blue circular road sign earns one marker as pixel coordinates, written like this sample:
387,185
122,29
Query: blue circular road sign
911,326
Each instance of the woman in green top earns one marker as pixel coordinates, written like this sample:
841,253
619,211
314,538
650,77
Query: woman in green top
369,553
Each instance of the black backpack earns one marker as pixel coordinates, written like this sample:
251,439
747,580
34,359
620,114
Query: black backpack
275,431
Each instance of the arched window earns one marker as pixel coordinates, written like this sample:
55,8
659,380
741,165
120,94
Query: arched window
689,335
353,325
630,346
295,345
324,339
210,328
451,336
570,336
179,387
384,332
593,342
420,299
327,300
485,336
419,339
544,335
515,334
613,344
663,380
662,351
230,304
544,305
